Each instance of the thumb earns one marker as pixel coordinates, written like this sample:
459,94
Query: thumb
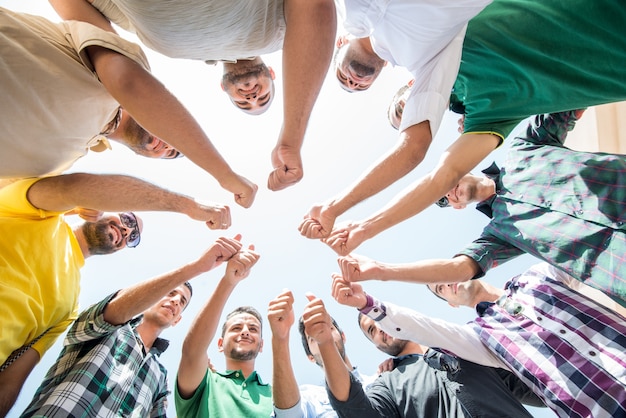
310,296
251,247
237,237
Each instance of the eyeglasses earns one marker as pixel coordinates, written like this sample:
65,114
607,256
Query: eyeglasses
129,220
443,202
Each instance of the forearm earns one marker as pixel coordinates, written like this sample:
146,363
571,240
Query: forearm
457,269
133,300
13,377
310,31
456,161
158,111
284,385
194,360
337,374
108,193
397,163
82,11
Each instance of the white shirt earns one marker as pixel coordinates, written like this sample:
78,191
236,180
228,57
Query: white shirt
425,37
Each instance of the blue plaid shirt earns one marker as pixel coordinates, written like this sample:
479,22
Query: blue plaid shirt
103,371
562,206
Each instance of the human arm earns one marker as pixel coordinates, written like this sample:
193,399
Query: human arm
552,129
406,324
398,162
310,31
116,193
462,156
285,393
159,112
82,11
356,268
133,300
194,359
13,377
318,326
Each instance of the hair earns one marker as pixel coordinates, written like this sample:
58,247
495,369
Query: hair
433,292
188,286
242,310
305,341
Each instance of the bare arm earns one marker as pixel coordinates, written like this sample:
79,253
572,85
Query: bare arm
13,377
114,193
356,268
398,162
194,360
285,393
133,300
310,31
83,11
158,111
456,161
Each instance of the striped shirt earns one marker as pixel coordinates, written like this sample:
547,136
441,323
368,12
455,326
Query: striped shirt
103,371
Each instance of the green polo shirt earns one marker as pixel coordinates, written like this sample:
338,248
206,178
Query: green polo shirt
227,395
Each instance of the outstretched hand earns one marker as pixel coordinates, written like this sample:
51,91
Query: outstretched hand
288,169
239,265
347,293
280,315
243,189
317,321
223,249
357,268
215,216
345,238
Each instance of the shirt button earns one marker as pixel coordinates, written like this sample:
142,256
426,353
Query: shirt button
244,385
237,374
592,353
375,309
398,329
561,331
539,318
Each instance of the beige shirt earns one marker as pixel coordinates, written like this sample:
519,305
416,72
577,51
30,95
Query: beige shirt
53,106
207,30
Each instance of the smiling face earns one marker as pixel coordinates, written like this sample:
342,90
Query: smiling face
107,235
464,192
143,142
249,85
383,341
241,339
168,311
355,67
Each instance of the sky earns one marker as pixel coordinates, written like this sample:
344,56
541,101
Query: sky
347,133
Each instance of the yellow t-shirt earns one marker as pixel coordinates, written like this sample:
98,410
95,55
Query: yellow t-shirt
40,263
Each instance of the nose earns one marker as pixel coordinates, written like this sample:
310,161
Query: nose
245,330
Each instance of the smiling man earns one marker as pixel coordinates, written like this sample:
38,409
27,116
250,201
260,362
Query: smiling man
41,255
238,392
109,363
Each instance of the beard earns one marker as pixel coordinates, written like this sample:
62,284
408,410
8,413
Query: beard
237,76
394,348
243,355
96,237
361,69
136,137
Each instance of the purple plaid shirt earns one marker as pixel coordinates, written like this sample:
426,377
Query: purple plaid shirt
568,349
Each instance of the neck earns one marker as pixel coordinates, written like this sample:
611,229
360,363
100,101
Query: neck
246,366
240,65
82,242
486,293
412,348
148,332
485,189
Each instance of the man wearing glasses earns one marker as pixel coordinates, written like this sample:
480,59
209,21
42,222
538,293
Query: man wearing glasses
41,255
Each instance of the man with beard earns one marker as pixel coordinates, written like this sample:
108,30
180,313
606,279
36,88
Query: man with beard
91,378
239,391
424,383
307,401
41,256
63,85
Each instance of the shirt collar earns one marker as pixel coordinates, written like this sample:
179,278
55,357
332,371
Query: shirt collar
158,346
492,172
253,376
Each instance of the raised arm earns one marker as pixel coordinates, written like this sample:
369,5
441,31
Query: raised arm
116,193
133,300
158,111
310,31
398,162
356,268
194,360
456,161
285,393
82,11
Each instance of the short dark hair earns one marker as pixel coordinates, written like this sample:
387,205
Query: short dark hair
434,293
188,286
243,310
305,341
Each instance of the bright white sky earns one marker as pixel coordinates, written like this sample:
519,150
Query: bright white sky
347,133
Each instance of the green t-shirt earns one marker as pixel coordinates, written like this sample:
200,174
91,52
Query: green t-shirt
227,395
527,57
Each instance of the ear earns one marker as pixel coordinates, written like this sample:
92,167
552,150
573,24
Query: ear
261,347
311,358
459,206
341,41
453,305
411,82
177,320
272,74
222,86
343,337
220,345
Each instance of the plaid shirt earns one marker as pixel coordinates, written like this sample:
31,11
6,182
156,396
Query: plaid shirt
565,207
103,371
567,348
